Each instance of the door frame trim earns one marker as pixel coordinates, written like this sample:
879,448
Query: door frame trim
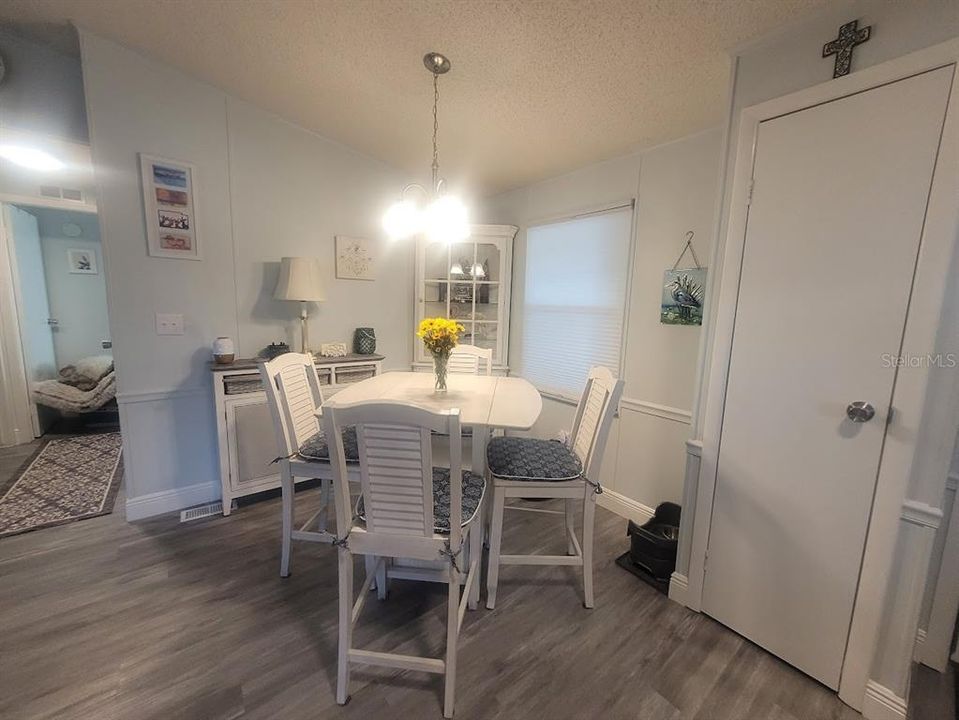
936,247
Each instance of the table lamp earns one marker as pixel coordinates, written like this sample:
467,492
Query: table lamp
300,280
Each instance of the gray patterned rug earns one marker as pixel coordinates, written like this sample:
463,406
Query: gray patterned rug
67,479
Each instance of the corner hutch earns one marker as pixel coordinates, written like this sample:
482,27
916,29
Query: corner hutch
468,281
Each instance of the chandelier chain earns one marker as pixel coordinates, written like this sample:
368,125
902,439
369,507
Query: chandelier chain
436,154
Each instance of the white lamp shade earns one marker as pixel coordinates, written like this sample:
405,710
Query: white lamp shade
299,280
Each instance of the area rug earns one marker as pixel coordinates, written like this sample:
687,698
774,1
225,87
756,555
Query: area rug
67,479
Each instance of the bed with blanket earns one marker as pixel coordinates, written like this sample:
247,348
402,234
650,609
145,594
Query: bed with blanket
81,388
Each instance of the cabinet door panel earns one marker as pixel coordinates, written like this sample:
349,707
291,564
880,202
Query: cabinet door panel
252,444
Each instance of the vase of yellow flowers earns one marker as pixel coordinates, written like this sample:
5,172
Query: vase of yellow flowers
440,336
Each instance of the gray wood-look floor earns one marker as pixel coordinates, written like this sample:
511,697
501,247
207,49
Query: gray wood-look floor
157,620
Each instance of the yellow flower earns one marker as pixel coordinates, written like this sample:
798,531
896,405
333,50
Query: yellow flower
439,335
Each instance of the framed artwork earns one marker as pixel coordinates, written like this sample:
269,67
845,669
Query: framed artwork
682,301
354,258
82,262
169,205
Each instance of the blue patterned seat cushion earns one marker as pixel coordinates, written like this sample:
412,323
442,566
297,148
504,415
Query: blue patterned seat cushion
316,448
474,486
520,458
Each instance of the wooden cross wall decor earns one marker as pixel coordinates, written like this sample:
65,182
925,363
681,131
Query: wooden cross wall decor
850,35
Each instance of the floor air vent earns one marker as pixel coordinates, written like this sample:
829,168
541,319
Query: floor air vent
201,511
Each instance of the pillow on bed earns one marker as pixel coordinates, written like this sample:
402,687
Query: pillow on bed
87,372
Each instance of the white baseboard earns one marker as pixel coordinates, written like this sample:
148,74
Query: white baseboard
678,588
625,507
881,703
176,499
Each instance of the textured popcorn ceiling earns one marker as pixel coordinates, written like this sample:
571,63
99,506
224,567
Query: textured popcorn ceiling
537,87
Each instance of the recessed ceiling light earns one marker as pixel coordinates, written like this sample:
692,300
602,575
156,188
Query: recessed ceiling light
30,158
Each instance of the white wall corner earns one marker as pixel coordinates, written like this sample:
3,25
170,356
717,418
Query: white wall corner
681,594
881,703
158,503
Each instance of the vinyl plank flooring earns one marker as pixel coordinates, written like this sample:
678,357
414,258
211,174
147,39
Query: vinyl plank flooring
106,620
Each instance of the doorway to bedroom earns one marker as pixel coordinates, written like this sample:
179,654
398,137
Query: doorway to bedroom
63,456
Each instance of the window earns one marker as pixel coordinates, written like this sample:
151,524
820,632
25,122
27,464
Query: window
575,298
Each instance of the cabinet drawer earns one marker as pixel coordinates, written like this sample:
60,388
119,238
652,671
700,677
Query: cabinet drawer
354,373
242,384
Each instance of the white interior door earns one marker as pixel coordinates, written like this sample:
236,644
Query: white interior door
832,235
33,306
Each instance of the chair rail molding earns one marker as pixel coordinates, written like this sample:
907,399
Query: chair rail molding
142,396
665,412
921,514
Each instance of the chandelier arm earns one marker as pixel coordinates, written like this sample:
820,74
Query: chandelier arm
436,126
415,186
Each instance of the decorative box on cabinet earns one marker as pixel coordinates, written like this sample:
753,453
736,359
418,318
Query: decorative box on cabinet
245,439
467,281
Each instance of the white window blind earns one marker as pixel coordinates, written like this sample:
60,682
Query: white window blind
575,298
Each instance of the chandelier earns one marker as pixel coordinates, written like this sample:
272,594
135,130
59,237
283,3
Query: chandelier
442,217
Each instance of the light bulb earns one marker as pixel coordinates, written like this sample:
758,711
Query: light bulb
445,220
457,269
402,219
30,158
478,271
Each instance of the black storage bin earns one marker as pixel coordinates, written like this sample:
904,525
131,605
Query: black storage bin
653,545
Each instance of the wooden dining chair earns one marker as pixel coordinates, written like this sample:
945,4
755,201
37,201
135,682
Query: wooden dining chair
471,360
408,509
532,468
294,395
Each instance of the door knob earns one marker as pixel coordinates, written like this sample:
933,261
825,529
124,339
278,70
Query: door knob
860,412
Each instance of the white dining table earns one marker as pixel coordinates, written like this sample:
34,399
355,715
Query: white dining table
485,402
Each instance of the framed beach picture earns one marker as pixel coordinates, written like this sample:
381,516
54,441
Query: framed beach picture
169,205
354,258
82,262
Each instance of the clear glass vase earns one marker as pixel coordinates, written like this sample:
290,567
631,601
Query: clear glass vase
440,361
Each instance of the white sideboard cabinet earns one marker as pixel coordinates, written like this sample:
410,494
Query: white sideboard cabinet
245,438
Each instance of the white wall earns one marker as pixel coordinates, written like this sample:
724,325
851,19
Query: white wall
77,301
42,106
42,90
292,192
264,189
675,187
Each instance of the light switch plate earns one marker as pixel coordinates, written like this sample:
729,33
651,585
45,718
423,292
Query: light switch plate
169,324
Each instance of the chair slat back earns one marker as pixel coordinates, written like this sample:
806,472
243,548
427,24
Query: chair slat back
294,395
396,465
594,417
471,360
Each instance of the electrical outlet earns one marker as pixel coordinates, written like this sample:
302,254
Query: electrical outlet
169,324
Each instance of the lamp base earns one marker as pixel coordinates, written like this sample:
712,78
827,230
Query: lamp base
304,329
